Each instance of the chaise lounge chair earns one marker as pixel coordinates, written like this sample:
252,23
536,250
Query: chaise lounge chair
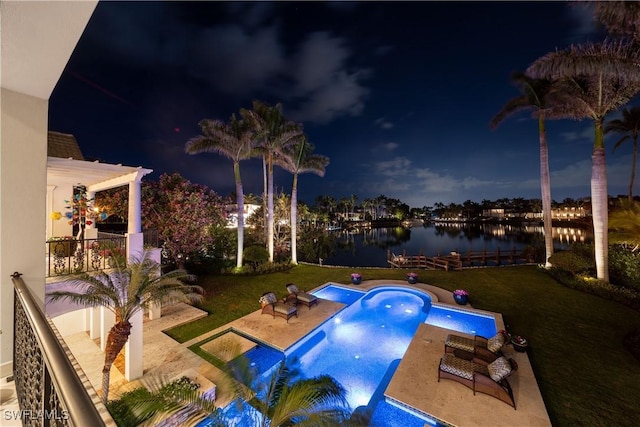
488,349
301,297
271,305
484,378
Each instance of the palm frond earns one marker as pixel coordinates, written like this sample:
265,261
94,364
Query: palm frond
612,58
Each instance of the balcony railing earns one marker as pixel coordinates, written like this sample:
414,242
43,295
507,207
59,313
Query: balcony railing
51,388
71,256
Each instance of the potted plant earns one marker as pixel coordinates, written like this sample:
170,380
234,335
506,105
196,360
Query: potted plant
461,296
356,278
519,343
412,278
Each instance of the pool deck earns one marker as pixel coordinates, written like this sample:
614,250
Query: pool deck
415,383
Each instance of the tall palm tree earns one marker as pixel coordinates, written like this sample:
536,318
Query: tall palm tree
534,99
621,18
233,140
299,159
629,125
272,134
125,290
593,80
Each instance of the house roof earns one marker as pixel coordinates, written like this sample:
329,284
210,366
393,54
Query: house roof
63,145
95,176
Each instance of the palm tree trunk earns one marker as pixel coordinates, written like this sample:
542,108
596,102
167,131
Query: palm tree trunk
240,202
599,204
264,195
117,338
545,189
270,207
633,168
294,219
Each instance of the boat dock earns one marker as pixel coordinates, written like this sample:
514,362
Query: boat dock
456,260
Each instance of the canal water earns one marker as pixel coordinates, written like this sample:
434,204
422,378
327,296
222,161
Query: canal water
369,247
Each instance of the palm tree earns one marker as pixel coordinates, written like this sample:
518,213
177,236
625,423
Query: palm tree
273,133
282,398
125,290
534,99
234,141
299,159
619,17
629,125
593,80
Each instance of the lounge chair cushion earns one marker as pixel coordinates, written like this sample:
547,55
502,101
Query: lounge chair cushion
284,309
494,344
460,367
461,343
268,298
499,369
293,289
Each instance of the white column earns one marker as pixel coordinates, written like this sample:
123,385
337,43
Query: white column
23,219
133,353
135,216
94,322
107,320
133,358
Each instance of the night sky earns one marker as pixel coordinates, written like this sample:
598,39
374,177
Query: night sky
399,96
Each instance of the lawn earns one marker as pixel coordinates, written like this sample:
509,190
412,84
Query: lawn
585,375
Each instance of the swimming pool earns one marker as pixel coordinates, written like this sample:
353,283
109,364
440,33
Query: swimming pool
362,345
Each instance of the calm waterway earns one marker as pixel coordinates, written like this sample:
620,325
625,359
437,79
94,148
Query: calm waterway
368,247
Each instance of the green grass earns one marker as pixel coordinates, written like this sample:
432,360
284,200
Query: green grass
585,375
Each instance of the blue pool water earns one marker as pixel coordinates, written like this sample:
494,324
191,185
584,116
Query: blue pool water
362,345
363,340
462,321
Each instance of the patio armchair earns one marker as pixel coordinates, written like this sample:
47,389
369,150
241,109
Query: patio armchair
271,305
301,297
488,349
490,379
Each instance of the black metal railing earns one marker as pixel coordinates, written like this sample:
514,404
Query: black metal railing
51,388
71,256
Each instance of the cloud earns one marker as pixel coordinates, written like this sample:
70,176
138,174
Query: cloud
323,87
585,26
235,61
384,123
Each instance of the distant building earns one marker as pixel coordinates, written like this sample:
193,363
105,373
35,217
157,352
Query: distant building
232,217
567,214
493,213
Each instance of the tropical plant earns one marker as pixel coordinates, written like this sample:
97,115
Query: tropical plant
629,126
125,290
272,134
624,224
234,141
183,214
282,398
620,18
534,99
592,80
297,159
178,402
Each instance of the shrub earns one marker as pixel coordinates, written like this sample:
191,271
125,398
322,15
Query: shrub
534,253
624,267
255,255
120,409
572,261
